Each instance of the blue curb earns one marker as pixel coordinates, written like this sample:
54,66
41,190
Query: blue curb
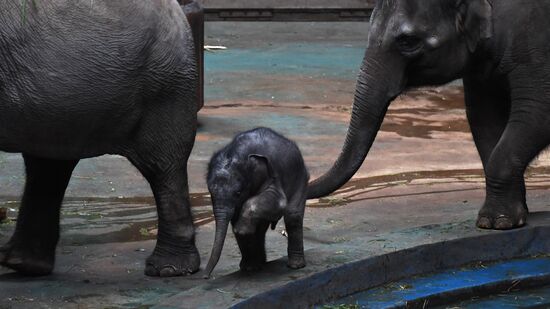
336,283
453,285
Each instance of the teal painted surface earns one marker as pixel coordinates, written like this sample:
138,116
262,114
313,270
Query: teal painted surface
248,74
298,126
313,59
401,292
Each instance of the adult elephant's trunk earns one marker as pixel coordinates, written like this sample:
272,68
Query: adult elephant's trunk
223,217
380,80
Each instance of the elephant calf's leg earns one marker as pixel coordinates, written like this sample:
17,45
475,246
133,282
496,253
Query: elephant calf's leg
31,250
252,248
294,228
505,204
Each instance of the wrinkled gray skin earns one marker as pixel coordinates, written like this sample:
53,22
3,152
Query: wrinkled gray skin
80,79
500,49
256,180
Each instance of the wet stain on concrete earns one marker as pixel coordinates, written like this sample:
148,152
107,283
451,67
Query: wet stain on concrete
417,113
355,190
110,220
420,112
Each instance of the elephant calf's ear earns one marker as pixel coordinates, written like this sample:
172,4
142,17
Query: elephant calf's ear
256,159
474,21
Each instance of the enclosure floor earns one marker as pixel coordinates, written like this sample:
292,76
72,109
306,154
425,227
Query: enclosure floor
299,79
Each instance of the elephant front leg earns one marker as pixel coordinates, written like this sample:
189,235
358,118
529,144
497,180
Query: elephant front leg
294,228
160,148
31,250
252,247
525,136
488,109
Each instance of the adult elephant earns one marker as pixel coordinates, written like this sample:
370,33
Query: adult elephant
80,79
499,48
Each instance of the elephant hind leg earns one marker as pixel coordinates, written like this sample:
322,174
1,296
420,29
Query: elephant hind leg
31,250
160,152
175,253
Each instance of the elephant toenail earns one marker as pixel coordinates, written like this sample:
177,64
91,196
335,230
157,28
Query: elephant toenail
168,271
14,261
503,223
484,223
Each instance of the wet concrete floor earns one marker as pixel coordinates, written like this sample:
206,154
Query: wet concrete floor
298,79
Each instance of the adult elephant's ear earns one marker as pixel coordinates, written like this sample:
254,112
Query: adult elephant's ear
474,21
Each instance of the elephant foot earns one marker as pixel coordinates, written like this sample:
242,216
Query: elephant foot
27,261
254,261
296,262
251,266
170,265
502,217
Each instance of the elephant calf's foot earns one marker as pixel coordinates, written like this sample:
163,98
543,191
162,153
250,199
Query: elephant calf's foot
296,262
254,261
502,217
168,265
251,266
26,261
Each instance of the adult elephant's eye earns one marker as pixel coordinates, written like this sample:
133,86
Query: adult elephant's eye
238,193
409,44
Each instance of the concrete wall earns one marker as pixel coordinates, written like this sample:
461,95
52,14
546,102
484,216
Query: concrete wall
280,4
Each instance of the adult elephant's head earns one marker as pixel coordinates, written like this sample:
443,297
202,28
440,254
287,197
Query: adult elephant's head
411,43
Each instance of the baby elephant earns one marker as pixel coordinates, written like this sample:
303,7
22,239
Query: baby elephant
257,179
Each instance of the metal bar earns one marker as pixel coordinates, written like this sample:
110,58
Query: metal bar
287,14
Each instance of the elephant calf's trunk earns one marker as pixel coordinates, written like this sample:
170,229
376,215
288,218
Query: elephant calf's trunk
222,224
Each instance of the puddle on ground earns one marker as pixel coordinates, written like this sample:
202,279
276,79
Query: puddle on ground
420,112
417,113
108,220
354,190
